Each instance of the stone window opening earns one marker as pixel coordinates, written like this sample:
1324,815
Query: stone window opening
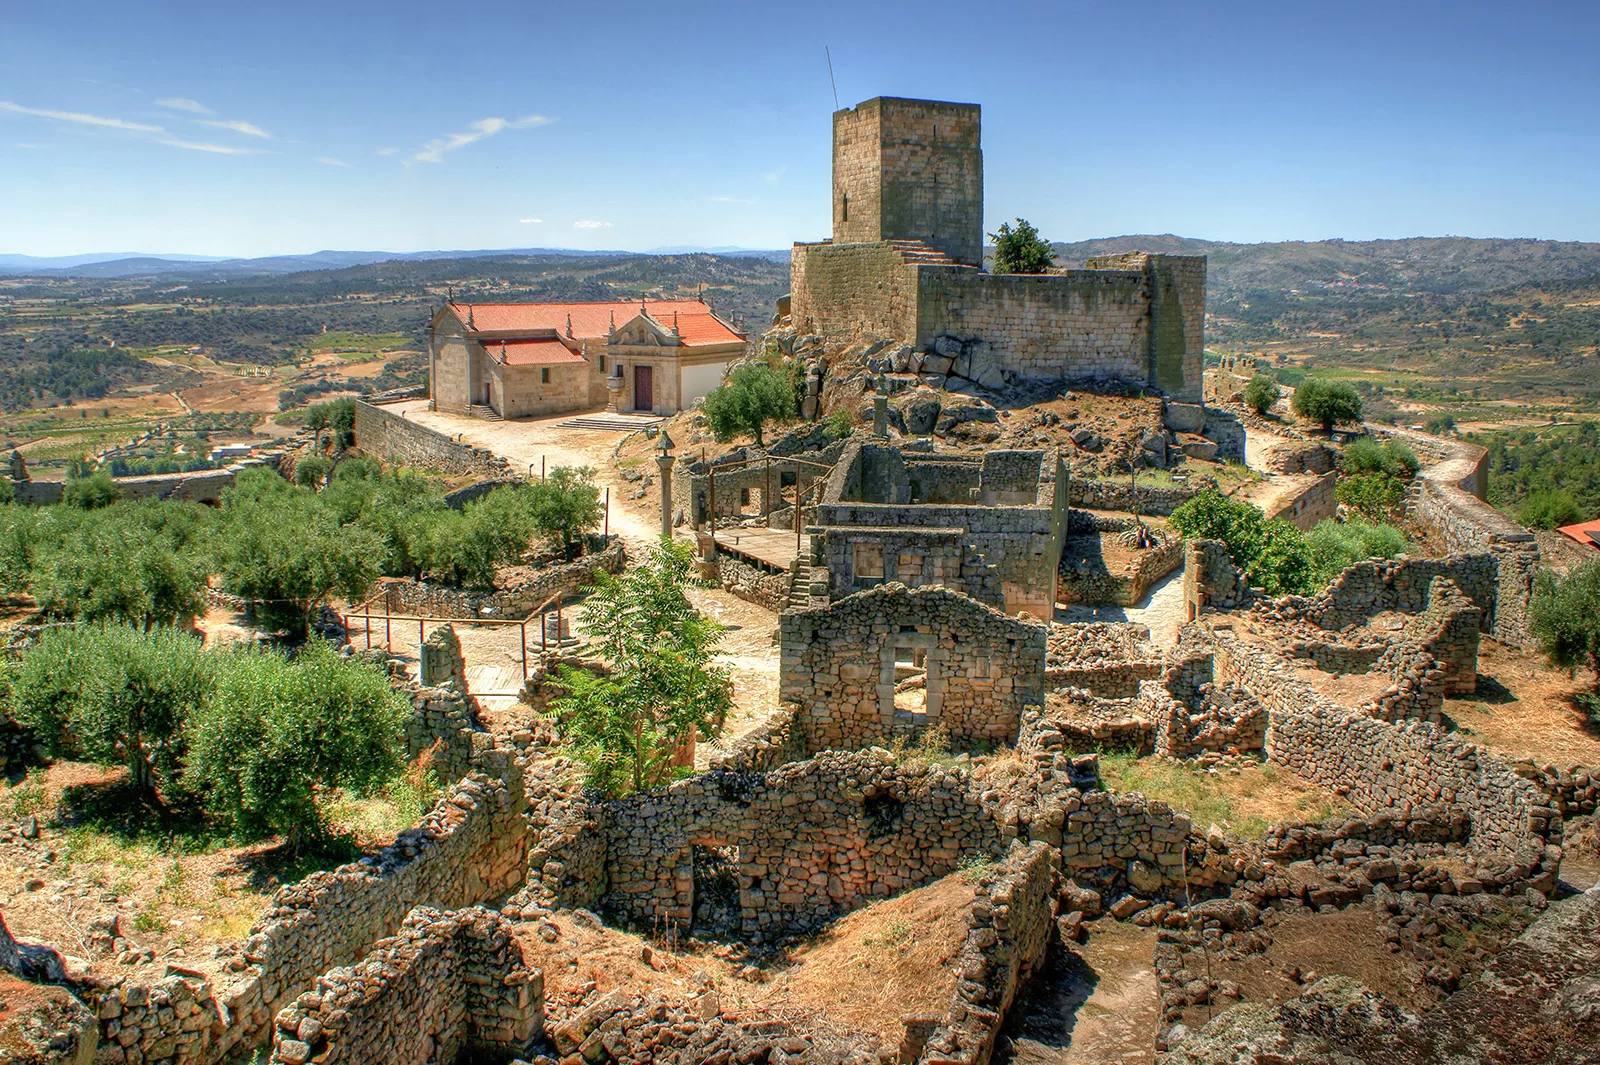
714,904
868,564
544,375
602,364
844,207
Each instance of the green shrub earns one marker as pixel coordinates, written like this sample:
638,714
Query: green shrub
564,506
311,471
277,735
1564,616
1377,497
115,696
142,562
338,416
1337,545
1393,457
1261,393
753,395
1549,508
839,425
96,490
1327,402
1020,249
1272,555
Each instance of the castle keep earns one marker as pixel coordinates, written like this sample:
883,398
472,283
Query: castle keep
905,263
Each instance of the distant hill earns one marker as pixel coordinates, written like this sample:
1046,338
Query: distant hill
1415,264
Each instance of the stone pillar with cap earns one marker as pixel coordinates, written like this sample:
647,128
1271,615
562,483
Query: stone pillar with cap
880,408
664,462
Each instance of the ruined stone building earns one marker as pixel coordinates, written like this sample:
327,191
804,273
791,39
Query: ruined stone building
906,263
518,360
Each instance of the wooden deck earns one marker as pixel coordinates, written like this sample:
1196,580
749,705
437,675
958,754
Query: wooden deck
772,547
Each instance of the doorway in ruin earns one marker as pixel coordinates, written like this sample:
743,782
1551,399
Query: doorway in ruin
911,685
715,905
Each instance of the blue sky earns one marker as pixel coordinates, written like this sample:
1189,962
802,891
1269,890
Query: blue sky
253,129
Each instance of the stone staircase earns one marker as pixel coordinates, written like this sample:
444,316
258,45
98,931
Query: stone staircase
484,411
916,253
800,585
617,423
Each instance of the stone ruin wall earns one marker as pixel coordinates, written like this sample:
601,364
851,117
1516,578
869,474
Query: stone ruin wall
775,740
199,486
913,557
1093,494
447,985
1312,503
752,583
558,581
386,435
838,665
1012,924
471,847
843,292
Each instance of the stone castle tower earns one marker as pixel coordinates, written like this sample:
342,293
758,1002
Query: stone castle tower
909,170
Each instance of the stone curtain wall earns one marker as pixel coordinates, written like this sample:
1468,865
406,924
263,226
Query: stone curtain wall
843,292
446,986
775,741
814,839
1467,524
519,600
388,436
1013,920
837,665
1080,323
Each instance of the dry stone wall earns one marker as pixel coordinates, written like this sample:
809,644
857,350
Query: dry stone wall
560,581
751,583
446,987
837,663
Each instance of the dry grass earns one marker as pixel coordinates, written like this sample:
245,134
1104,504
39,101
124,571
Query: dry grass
1245,802
1524,709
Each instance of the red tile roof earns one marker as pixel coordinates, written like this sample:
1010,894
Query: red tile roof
1586,533
696,323
532,352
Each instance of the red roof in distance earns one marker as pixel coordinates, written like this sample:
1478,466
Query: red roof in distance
1586,533
533,352
697,323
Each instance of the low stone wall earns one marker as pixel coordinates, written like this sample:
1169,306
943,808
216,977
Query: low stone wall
1120,495
200,486
517,601
1312,503
751,583
1380,765
472,846
1106,658
1013,918
776,741
389,436
447,986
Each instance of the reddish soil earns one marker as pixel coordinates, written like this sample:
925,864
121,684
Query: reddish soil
1524,709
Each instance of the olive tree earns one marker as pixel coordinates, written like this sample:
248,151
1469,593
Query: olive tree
753,395
1328,402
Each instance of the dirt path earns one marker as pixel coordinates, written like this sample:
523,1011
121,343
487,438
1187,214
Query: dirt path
530,443
1096,1006
1162,610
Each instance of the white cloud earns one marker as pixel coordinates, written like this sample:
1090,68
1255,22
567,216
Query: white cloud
21,144
179,103
218,149
328,160
78,117
434,151
247,128
774,175
530,221
387,151
727,199
590,224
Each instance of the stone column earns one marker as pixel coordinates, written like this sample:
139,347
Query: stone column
664,463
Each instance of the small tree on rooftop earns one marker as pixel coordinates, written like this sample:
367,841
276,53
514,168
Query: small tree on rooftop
1020,249
662,689
753,395
1328,402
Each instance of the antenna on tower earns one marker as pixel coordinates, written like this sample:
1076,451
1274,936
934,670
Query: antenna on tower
831,82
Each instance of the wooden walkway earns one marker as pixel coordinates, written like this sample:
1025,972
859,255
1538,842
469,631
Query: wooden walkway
774,547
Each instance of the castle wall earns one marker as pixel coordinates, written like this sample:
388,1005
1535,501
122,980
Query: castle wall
844,291
1081,323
